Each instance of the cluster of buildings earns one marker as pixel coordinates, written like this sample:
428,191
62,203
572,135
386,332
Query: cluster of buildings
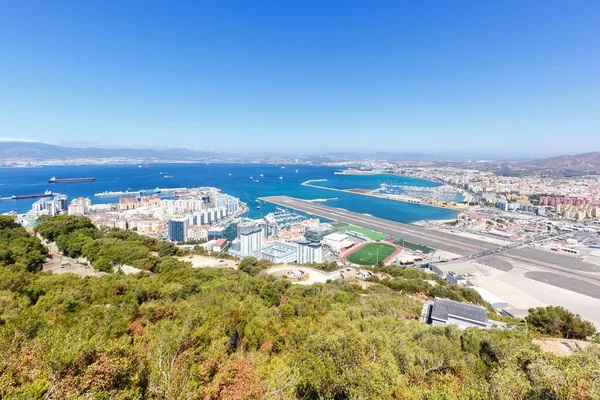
581,193
263,240
186,217
51,205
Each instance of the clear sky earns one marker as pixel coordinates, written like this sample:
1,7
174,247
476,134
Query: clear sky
517,77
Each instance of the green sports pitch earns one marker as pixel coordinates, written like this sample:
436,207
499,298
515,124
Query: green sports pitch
373,235
370,253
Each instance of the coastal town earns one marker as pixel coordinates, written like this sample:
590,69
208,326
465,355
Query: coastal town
556,216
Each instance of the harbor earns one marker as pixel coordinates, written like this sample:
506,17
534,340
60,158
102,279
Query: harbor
433,197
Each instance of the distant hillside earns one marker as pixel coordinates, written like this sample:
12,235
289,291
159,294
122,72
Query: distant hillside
567,165
44,151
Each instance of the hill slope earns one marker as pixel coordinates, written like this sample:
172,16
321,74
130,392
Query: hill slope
583,163
44,151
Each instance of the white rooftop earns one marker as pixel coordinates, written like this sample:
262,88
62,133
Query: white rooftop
336,237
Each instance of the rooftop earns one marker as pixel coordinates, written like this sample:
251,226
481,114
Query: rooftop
443,308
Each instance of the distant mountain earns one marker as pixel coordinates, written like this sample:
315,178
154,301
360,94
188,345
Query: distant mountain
44,151
588,163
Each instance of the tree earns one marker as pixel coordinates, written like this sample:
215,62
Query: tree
559,322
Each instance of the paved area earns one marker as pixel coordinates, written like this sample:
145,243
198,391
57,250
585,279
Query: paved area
65,265
523,291
565,282
497,262
203,261
313,275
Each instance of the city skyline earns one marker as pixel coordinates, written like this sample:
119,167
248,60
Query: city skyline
431,78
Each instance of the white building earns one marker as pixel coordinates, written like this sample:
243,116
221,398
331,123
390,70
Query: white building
337,241
79,206
49,205
195,232
279,252
309,252
251,238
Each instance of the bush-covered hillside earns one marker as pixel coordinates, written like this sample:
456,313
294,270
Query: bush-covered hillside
186,333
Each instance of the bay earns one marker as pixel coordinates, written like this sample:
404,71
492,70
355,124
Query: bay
25,181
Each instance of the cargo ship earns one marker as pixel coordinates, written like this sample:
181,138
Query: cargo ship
70,180
47,193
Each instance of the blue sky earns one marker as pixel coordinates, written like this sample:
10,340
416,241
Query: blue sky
512,77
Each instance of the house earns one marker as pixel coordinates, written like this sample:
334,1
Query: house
445,312
219,245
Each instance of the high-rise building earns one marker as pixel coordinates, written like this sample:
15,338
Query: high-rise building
178,229
309,252
79,206
50,205
251,237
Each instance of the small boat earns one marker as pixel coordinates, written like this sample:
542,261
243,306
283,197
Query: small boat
256,181
145,166
283,167
168,176
257,207
163,173
251,178
262,176
230,174
296,171
280,178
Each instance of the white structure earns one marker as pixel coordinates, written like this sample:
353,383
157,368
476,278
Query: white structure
49,205
309,252
79,206
251,238
195,232
337,241
279,252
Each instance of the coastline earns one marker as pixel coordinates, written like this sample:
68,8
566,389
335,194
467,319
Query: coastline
373,193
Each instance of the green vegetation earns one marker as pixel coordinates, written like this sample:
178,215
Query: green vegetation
18,250
323,266
253,266
185,333
77,237
371,253
557,321
373,235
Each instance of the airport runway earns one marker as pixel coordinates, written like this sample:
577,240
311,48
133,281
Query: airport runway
411,233
578,275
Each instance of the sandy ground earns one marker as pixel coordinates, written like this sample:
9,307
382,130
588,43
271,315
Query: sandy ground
314,275
65,265
561,347
203,261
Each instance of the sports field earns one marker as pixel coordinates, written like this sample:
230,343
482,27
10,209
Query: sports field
373,235
370,253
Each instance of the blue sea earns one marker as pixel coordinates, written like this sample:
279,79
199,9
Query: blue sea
24,181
